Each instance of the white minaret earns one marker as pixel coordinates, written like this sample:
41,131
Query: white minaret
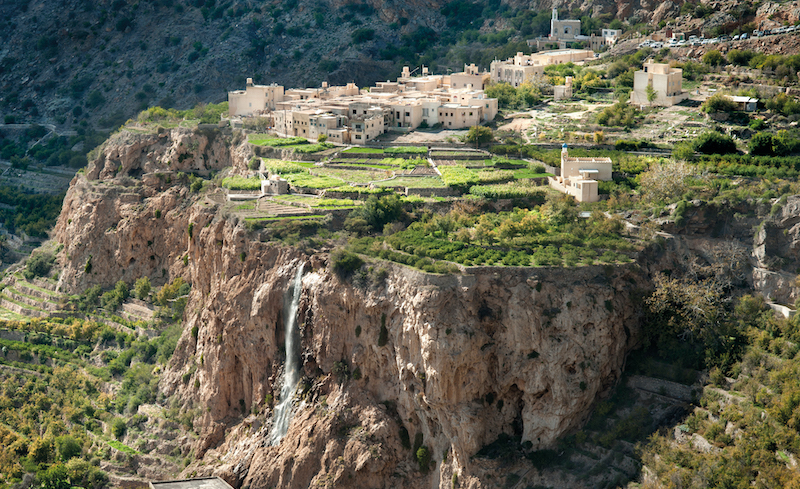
553,23
564,157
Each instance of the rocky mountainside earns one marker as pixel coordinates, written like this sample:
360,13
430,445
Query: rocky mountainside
446,362
523,353
99,63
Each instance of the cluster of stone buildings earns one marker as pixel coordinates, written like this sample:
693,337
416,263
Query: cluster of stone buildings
569,31
346,114
526,68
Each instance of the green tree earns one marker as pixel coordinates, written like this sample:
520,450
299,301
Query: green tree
423,458
118,428
713,58
322,138
39,265
762,144
376,212
141,289
718,103
651,94
55,477
67,447
713,142
479,135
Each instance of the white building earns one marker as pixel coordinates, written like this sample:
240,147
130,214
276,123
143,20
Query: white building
665,80
579,176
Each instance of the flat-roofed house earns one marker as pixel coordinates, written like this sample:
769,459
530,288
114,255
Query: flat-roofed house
665,80
579,176
254,99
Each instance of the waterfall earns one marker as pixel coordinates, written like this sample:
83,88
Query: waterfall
291,371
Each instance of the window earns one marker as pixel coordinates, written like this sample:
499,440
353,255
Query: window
398,115
358,136
355,111
449,123
407,114
470,113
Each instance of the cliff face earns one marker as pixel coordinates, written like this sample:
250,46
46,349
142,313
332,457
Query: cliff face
451,361
128,214
467,357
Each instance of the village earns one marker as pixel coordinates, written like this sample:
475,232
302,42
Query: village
344,117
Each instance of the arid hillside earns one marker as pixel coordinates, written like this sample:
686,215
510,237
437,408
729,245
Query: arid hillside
98,63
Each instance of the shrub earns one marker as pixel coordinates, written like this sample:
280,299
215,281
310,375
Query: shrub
118,427
713,142
39,265
619,114
345,263
363,35
141,289
713,58
718,103
423,458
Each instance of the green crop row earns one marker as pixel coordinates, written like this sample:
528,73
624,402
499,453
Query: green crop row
241,183
508,191
283,167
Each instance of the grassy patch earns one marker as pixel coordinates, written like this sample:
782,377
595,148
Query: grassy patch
282,167
310,181
241,183
413,182
122,447
354,176
267,140
373,151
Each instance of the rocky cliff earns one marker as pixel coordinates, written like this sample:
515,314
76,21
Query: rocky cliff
405,358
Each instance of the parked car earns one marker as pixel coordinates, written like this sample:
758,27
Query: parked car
743,37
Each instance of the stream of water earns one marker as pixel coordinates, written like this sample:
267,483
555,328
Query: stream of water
291,372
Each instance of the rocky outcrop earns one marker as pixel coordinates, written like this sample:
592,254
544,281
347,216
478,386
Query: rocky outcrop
450,361
127,215
463,358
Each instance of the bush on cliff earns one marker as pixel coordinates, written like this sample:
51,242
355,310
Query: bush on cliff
39,265
345,263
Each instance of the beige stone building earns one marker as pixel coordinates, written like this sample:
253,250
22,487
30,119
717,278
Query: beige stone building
579,176
516,71
524,68
665,80
471,77
455,116
563,92
254,99
564,30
